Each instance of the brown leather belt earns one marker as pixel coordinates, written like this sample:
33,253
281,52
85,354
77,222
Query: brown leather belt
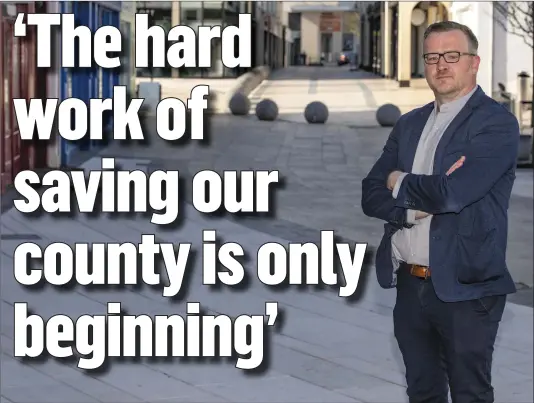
419,271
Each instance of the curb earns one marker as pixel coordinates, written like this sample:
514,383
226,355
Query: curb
247,83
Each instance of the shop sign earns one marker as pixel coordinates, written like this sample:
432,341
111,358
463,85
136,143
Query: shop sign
330,22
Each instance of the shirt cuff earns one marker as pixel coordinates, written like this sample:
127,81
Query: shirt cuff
410,217
398,184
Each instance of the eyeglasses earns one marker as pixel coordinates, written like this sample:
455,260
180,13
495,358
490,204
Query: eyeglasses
449,57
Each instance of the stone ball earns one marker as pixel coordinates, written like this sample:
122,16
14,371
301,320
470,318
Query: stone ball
267,110
239,104
316,112
387,115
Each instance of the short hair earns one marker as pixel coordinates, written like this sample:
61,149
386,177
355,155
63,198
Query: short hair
447,26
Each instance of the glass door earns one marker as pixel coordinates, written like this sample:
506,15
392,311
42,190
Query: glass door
326,46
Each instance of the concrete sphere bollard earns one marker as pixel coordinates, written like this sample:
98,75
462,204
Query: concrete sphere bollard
387,115
316,112
267,110
239,104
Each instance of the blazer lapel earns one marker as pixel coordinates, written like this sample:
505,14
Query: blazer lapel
415,135
464,113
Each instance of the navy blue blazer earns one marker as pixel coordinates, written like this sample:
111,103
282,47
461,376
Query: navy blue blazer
469,228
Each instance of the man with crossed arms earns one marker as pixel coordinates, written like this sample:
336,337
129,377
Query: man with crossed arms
442,185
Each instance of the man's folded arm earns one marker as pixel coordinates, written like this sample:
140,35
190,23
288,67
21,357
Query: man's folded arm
377,200
491,153
412,216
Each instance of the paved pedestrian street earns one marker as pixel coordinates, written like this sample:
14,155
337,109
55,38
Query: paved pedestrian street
324,348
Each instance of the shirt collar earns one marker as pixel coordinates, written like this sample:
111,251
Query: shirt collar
456,105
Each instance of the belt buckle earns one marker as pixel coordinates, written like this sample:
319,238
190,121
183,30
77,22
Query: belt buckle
414,267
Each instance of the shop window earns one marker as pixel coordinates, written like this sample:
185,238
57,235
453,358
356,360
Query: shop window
189,15
294,21
159,17
211,14
348,42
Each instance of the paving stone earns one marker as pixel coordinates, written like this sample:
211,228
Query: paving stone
15,374
147,382
509,396
58,393
317,371
278,389
198,397
384,393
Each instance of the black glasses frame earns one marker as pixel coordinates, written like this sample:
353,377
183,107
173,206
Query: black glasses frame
440,55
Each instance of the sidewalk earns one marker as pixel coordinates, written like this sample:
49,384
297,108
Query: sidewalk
352,97
181,88
328,350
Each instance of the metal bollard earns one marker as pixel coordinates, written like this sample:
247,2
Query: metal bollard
524,100
523,81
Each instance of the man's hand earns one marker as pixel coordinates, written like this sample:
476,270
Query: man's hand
456,165
392,179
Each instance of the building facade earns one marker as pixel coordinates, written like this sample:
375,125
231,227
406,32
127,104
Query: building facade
127,27
88,83
504,55
321,31
19,78
270,41
392,41
267,32
392,36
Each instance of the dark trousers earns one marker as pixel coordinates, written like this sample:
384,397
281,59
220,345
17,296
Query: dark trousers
445,345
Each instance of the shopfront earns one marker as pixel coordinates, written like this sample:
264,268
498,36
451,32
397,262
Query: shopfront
159,14
19,78
87,83
372,38
210,13
321,32
193,14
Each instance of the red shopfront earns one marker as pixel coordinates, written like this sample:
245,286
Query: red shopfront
19,78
